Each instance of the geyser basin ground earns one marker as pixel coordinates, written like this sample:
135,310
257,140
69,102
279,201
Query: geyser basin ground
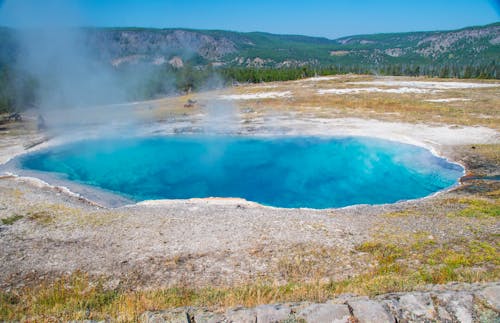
285,172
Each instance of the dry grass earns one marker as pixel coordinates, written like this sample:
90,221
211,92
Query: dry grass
483,107
41,217
310,262
490,152
79,297
402,264
393,262
48,213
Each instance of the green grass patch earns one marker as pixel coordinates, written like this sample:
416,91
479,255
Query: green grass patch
477,208
11,219
385,253
420,258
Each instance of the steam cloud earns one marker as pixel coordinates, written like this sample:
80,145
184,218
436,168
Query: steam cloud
52,49
77,86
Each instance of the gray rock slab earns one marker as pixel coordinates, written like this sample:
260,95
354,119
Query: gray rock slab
370,312
272,313
241,315
208,317
343,298
417,306
459,305
174,316
325,313
491,295
443,315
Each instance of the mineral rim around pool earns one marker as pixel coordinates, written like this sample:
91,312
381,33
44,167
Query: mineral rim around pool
286,172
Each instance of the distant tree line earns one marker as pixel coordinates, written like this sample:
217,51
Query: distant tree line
18,90
480,71
256,75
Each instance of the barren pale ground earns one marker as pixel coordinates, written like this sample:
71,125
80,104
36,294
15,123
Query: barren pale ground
57,245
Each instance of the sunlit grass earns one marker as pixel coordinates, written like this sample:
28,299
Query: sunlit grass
408,265
481,109
477,208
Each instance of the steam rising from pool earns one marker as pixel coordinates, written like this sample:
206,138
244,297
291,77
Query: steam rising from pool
276,171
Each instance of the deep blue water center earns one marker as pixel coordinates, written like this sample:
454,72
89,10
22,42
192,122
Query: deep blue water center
277,171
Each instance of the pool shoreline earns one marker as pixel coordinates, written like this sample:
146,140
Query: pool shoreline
109,199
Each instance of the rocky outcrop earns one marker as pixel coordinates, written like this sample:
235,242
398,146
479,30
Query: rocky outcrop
113,44
447,303
440,43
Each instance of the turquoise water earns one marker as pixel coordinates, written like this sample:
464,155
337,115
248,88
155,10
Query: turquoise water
277,171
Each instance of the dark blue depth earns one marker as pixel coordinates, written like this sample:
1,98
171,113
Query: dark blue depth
277,171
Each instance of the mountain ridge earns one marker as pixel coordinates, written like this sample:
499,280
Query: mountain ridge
280,34
156,46
146,63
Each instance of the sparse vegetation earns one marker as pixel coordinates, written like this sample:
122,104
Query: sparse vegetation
78,297
309,263
396,262
11,219
491,152
477,207
434,262
41,217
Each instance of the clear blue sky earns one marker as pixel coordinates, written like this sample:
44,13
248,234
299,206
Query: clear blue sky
328,18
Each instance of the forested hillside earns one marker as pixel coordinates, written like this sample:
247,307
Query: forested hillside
178,60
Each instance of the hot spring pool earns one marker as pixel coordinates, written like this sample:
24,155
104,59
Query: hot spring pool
276,171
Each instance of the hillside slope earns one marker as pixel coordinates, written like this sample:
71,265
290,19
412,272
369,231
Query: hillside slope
147,63
467,46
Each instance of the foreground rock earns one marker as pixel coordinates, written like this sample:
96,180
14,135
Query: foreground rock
461,303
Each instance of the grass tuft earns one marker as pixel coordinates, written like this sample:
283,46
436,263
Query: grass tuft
11,219
41,217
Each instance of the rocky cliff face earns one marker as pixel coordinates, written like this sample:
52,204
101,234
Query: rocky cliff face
480,44
475,40
472,44
156,46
